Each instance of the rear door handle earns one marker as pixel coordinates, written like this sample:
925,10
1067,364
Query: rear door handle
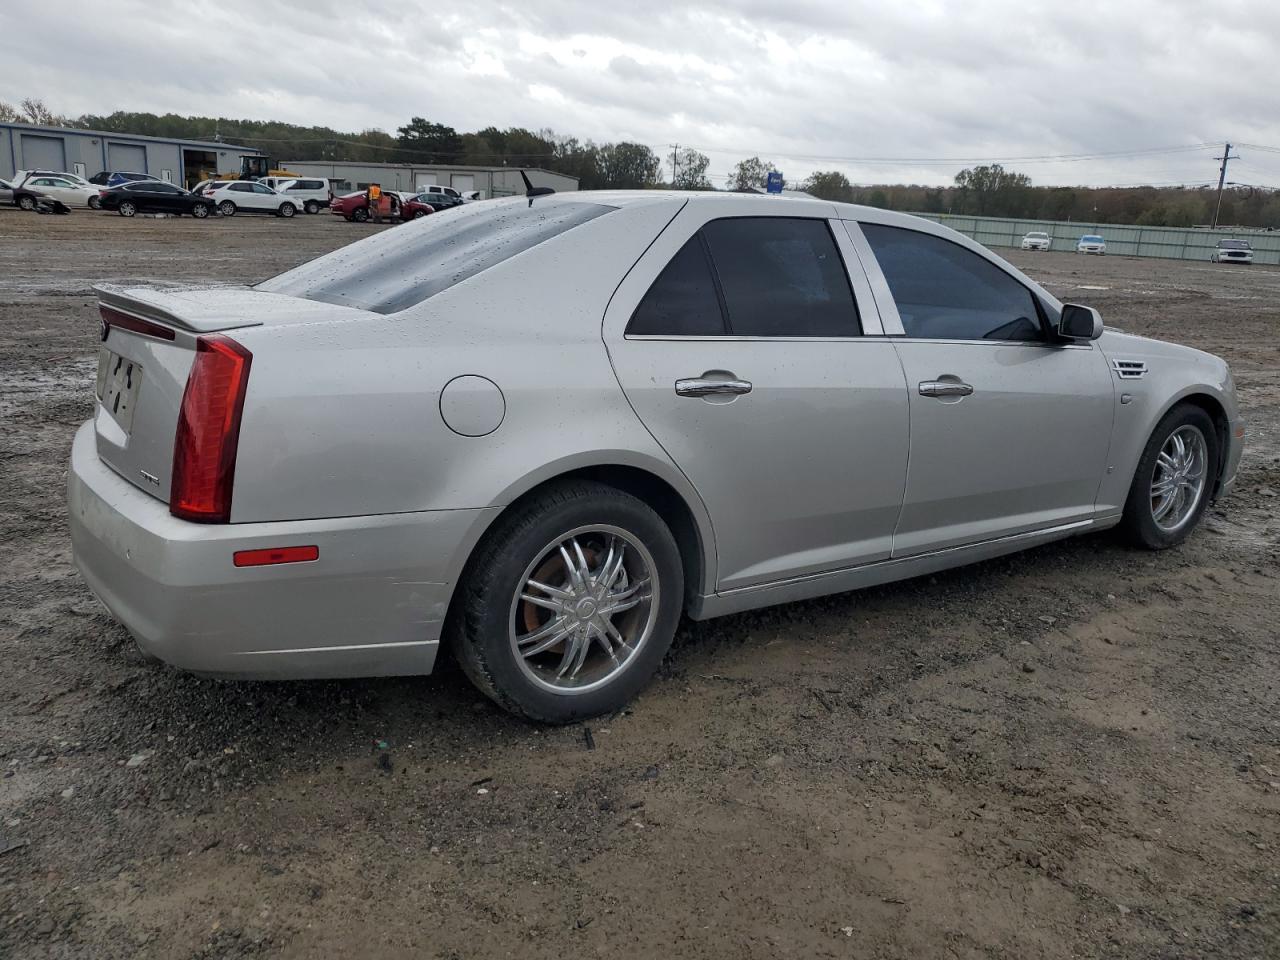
944,388
700,387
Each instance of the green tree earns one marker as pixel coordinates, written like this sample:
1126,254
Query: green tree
691,170
752,173
627,166
829,185
992,191
428,142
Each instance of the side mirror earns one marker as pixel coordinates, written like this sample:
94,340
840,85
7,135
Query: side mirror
1079,323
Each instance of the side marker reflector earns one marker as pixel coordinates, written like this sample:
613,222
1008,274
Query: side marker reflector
273,555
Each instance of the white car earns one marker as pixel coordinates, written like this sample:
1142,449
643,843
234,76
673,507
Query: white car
1232,251
1092,243
59,187
311,193
234,196
447,191
1036,240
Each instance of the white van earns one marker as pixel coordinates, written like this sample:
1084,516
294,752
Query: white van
312,194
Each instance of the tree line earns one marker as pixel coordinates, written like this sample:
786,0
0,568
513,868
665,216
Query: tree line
992,191
988,191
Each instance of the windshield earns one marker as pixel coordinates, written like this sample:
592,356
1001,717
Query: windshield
1090,238
1038,236
399,268
1233,245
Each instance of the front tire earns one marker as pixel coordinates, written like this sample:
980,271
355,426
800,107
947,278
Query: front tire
227,208
27,203
360,214
200,210
569,603
95,203
1174,481
287,210
128,208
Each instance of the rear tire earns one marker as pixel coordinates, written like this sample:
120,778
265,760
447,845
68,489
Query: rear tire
1156,520
498,636
128,208
312,207
227,208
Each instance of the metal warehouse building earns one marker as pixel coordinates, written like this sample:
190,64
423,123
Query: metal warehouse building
24,146
346,176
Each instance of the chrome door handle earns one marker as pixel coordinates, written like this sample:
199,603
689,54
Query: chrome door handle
944,388
699,387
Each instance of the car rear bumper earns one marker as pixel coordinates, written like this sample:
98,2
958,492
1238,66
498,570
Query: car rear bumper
373,604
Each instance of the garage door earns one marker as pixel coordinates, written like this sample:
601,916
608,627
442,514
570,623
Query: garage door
43,153
129,157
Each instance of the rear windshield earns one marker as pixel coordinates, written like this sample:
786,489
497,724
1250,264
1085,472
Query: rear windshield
405,265
1233,245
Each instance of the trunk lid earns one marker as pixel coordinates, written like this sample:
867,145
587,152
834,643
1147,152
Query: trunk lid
142,373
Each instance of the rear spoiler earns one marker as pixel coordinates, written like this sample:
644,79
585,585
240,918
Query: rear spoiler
176,307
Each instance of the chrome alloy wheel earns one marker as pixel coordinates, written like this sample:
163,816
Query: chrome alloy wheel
1179,480
583,609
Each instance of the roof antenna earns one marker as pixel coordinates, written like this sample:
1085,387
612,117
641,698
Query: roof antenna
531,191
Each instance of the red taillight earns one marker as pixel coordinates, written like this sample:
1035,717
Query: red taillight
114,318
204,450
273,555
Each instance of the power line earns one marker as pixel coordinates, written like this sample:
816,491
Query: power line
1043,158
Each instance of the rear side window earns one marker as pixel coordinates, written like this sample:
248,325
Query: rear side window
945,292
399,268
682,302
771,277
782,277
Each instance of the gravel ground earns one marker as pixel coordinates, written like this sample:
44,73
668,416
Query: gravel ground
1071,752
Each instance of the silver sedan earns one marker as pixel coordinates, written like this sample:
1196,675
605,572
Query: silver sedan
541,429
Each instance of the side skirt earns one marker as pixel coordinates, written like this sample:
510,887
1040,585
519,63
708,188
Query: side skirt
883,571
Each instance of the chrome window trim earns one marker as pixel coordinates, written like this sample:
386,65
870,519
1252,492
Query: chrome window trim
863,297
876,338
886,306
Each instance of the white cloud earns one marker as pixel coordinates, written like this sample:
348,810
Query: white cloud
810,84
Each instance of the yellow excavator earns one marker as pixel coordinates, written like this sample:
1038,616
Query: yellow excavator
251,168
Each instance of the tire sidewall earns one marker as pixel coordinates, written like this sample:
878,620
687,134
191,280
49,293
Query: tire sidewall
312,207
128,208
1137,512
287,210
200,211
492,583
27,203
227,208
359,214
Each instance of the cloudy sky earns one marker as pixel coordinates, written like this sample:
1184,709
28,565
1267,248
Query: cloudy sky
1133,91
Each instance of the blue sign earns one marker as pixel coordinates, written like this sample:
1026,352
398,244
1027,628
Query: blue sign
774,183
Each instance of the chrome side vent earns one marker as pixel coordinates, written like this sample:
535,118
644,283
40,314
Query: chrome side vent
1130,369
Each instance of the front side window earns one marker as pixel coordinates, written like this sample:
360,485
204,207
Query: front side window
946,292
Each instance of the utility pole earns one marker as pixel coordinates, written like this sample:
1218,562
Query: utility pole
675,164
1222,179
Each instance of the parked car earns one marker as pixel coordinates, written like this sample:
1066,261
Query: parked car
6,192
418,438
154,196
1036,240
355,206
1091,243
1233,251
437,189
312,194
108,178
234,196
58,188
22,175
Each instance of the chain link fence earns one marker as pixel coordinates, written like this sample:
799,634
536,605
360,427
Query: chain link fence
1171,243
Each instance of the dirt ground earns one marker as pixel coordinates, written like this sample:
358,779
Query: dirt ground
1071,752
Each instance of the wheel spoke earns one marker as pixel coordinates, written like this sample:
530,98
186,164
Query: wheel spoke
575,576
616,635
611,573
1158,512
550,590
547,629
556,637
570,651
1167,462
542,602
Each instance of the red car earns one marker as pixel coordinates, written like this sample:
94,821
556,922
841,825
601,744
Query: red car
355,206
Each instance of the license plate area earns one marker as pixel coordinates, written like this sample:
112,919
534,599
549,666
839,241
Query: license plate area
119,380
